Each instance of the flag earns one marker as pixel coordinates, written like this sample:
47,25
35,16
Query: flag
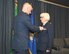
16,7
32,40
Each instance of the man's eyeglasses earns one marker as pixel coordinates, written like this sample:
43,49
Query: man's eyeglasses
41,17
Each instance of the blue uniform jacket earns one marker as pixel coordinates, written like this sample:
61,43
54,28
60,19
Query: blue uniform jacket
22,26
45,38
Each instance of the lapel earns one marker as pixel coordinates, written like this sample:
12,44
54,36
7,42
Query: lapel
46,24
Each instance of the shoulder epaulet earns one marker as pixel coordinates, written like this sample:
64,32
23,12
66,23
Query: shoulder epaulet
50,22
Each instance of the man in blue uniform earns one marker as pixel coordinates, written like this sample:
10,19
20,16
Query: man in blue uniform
45,37
22,26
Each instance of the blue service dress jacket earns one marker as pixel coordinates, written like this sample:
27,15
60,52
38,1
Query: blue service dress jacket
22,26
45,38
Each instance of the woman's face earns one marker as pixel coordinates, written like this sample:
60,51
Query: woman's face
42,19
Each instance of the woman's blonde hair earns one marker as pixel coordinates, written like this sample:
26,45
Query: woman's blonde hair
45,15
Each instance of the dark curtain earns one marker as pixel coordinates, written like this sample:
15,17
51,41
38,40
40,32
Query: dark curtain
36,11
6,16
59,16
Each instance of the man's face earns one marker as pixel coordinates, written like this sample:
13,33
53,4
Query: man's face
30,10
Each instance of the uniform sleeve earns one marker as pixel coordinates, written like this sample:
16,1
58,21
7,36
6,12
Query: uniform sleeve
51,34
29,25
